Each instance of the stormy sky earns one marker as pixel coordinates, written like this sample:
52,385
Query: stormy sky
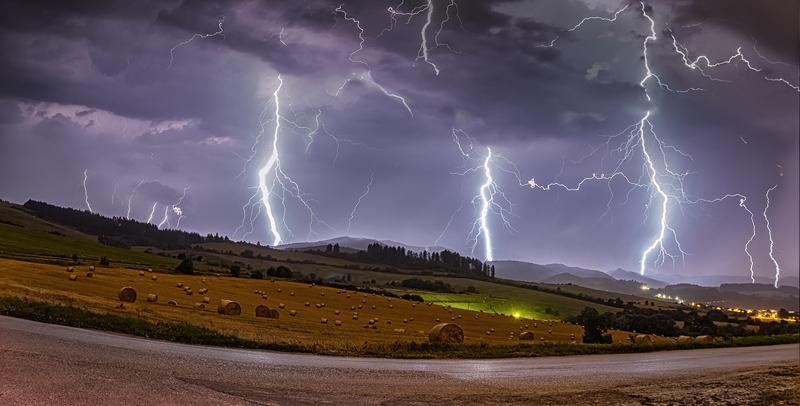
118,89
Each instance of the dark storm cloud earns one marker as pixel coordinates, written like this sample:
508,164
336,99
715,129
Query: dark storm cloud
89,85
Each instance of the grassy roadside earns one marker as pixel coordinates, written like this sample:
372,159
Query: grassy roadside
191,334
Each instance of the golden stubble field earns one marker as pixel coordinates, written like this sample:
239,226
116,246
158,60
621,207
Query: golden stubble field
394,319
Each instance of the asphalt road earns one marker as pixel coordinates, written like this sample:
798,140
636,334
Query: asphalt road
49,364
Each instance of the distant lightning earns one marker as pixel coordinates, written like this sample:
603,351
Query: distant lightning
152,212
219,32
86,191
771,241
580,23
358,202
175,209
130,198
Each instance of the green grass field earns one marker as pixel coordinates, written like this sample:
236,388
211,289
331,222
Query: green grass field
32,245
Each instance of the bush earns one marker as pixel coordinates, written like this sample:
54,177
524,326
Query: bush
235,271
104,261
257,274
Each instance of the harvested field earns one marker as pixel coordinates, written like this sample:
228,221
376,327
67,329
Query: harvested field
47,283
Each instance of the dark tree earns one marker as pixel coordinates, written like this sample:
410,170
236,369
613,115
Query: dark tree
235,271
594,327
186,267
75,258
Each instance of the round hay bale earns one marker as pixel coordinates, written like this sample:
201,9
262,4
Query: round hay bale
322,293
291,293
281,305
152,298
704,339
141,273
180,284
127,294
373,307
264,311
405,320
684,339
355,317
203,280
400,330
70,269
323,320
154,277
206,299
89,274
526,336
202,291
91,267
200,306
410,319
337,322
446,333
292,313
149,269
437,319
73,277
188,292
280,290
229,308
643,339
172,303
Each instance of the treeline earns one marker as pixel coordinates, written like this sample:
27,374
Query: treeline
663,322
118,231
444,261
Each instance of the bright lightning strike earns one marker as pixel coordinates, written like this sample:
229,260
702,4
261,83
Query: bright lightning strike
490,198
771,241
86,191
358,202
273,180
665,185
219,32
487,196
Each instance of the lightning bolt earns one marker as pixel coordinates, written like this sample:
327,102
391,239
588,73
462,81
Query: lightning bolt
487,197
86,191
702,62
490,198
771,241
130,198
152,212
219,32
428,9
358,202
272,179
665,184
584,21
366,76
175,209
